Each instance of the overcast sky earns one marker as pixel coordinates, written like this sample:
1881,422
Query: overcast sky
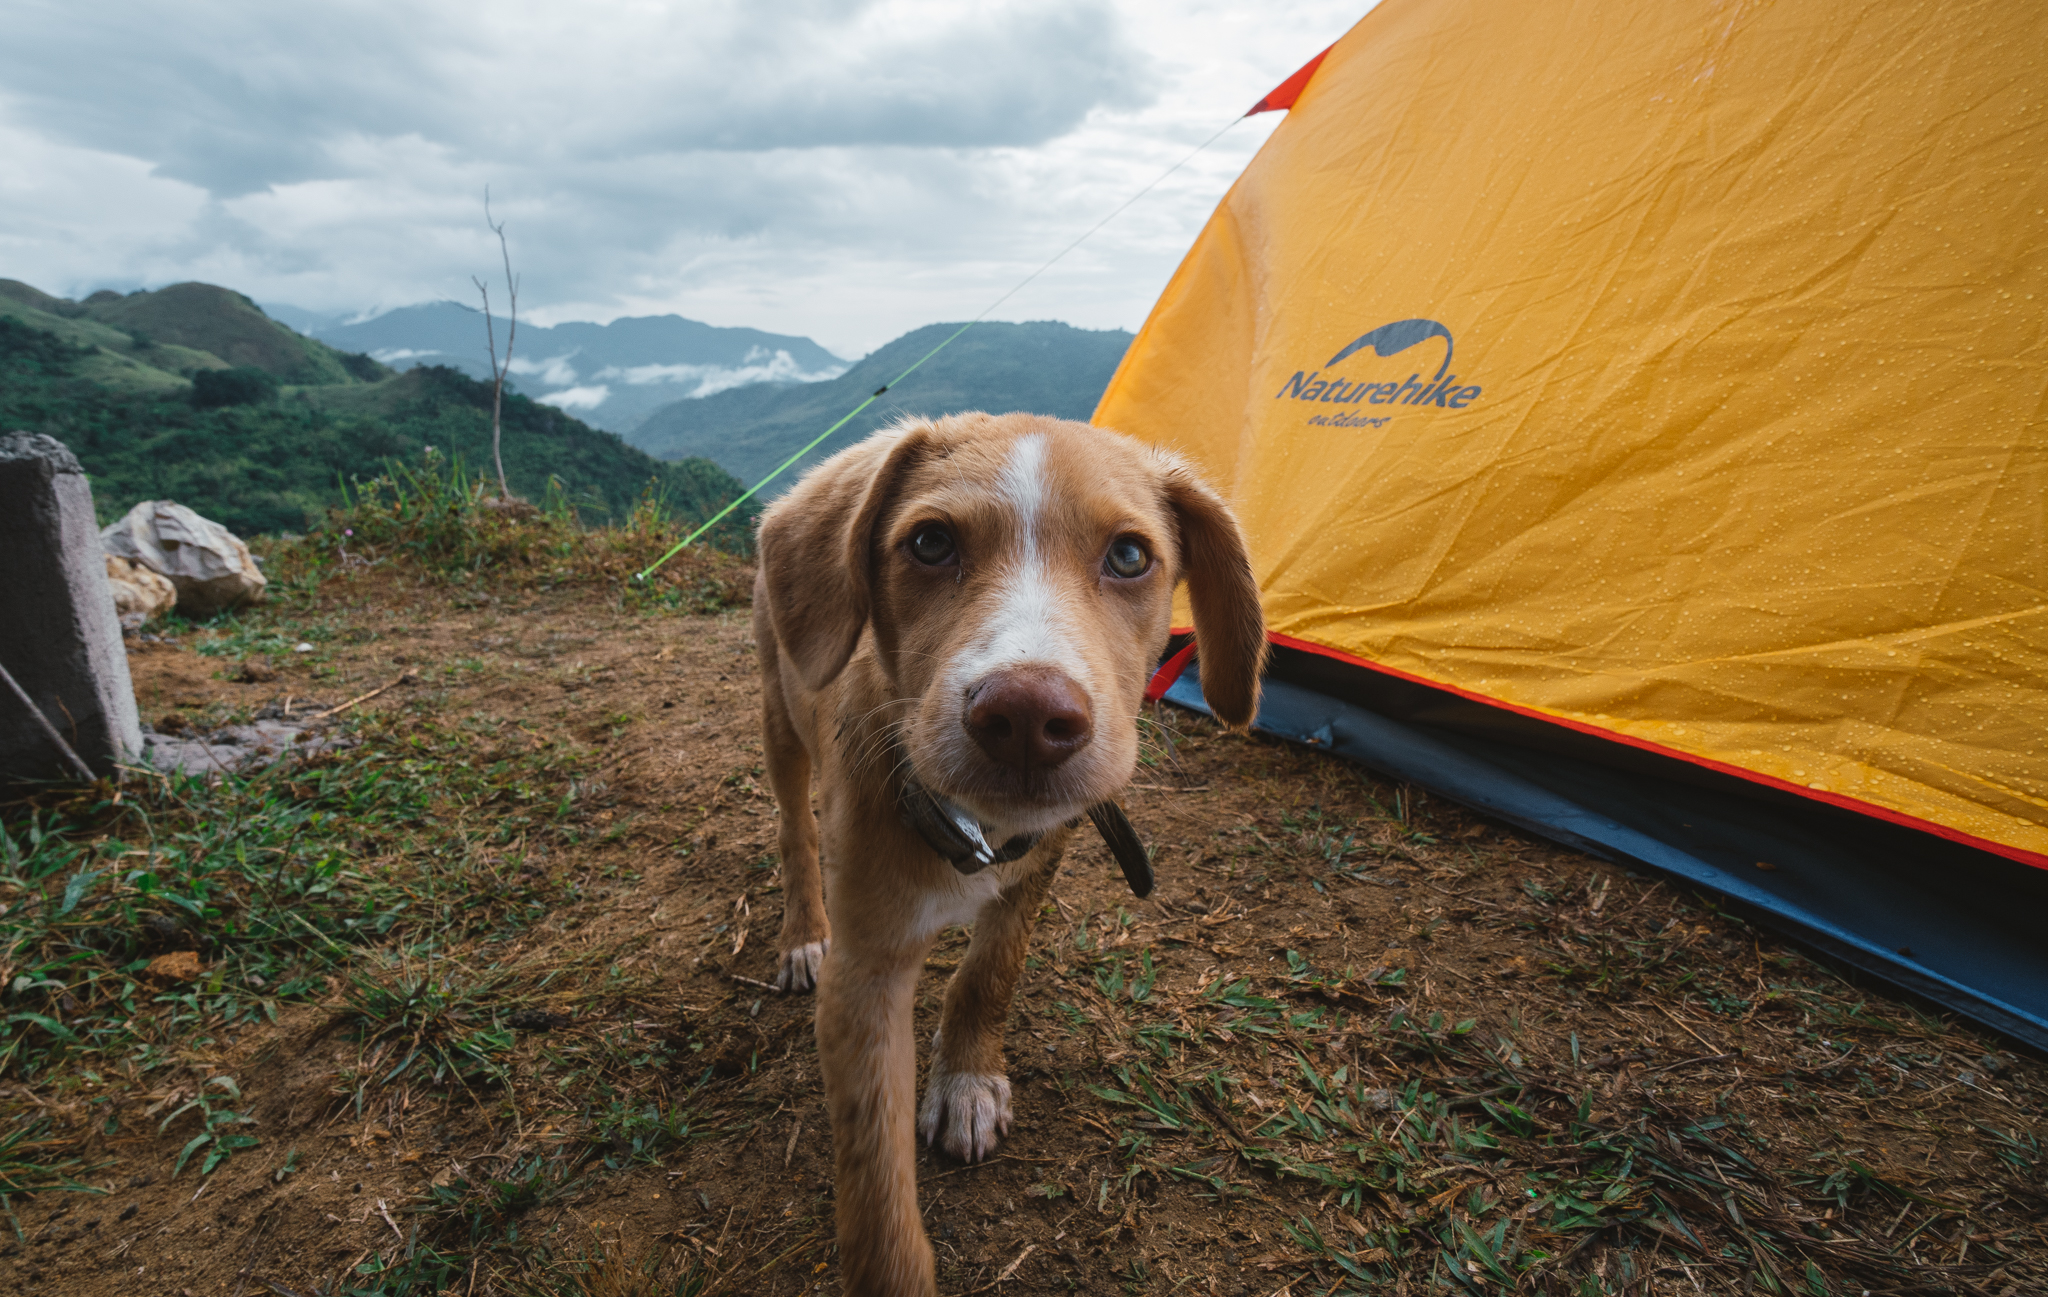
843,170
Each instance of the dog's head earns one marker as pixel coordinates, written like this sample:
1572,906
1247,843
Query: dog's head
1016,577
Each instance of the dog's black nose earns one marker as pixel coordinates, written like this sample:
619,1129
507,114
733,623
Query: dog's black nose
1029,718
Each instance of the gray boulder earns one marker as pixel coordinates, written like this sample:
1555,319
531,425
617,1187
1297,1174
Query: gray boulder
208,565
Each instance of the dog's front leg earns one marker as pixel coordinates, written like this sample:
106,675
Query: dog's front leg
967,1095
805,933
867,1051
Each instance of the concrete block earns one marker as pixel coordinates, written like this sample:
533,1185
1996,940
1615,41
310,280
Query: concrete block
59,636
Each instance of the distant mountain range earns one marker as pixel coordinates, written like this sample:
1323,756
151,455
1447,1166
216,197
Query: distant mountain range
744,399
1043,367
333,405
610,375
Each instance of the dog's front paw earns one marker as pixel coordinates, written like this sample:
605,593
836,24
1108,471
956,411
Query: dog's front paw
965,1113
799,971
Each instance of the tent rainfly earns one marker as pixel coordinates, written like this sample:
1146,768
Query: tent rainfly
1639,414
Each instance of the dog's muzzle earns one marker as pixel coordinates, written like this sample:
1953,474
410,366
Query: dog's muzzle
957,836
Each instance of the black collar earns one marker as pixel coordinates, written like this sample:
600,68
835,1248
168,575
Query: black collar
957,836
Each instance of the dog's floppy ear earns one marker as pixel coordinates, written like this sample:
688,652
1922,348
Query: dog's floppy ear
1230,629
817,552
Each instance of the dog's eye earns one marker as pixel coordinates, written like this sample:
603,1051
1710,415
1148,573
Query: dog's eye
932,545
1127,557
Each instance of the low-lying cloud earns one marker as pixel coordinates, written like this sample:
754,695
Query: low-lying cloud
577,398
555,371
703,380
678,382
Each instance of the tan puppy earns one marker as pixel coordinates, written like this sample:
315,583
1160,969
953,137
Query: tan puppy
971,607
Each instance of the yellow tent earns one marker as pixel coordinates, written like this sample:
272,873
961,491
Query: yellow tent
1674,373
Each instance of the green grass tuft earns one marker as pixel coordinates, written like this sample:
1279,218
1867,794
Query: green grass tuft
441,1024
273,879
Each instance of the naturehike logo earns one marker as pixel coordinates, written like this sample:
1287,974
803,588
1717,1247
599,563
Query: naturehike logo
1441,390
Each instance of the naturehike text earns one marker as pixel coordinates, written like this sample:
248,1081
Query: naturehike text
1443,392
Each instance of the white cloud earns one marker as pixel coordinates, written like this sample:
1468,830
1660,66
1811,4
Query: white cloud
703,380
269,95
846,171
392,355
555,371
577,398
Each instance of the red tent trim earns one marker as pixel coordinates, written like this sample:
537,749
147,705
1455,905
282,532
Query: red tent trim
2019,854
1168,672
1283,95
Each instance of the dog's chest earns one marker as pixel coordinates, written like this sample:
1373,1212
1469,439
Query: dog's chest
958,898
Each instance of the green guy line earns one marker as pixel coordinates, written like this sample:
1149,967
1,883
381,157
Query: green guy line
718,517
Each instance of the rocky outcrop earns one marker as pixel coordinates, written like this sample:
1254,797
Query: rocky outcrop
207,564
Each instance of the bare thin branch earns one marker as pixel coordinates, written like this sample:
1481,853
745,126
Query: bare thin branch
498,371
511,280
490,334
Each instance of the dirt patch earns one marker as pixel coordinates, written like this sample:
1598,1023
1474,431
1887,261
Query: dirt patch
1358,1040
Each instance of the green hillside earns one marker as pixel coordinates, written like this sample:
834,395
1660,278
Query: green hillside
1043,367
119,359
272,461
179,329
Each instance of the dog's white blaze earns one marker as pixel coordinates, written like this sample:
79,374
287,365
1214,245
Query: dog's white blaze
1023,483
1029,624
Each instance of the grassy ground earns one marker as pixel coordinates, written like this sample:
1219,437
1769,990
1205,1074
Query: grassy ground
476,1004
